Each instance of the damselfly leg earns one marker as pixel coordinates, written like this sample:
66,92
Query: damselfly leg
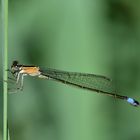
15,83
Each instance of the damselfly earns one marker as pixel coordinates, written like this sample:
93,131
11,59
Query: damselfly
92,82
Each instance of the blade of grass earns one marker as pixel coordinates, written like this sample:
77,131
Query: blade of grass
5,64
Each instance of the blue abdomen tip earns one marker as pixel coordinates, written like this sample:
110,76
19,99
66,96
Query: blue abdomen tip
132,101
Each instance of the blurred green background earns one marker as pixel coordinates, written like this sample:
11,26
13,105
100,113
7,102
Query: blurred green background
92,36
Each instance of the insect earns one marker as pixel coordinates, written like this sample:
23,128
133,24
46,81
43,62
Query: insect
92,82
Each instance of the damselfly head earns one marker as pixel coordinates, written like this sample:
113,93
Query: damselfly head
15,63
15,67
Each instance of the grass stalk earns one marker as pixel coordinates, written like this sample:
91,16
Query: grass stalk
5,64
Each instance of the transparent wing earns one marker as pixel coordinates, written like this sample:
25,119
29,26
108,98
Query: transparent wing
93,82
97,83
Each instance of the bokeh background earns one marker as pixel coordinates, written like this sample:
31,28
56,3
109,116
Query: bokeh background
92,36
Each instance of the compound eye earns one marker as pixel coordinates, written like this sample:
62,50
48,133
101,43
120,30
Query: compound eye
15,63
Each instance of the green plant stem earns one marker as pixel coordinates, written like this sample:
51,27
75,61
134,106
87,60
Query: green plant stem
5,64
